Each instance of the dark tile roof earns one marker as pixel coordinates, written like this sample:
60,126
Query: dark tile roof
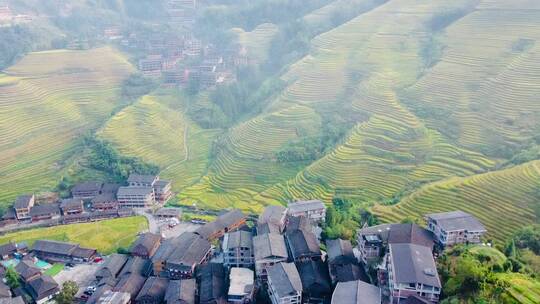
15,300
110,188
456,220
340,251
45,209
145,242
54,247
315,278
94,298
131,283
285,279
211,279
410,234
26,269
303,243
356,292
267,228
223,221
8,249
238,239
71,203
155,288
272,214
42,287
112,266
348,272
295,223
23,201
414,264
9,214
5,292
139,178
269,245
162,183
181,292
134,191
104,198
136,265
83,253
87,187
187,249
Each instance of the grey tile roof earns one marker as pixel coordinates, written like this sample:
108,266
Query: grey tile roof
238,239
155,288
211,279
457,220
400,234
189,250
348,272
356,292
131,283
5,292
8,249
267,228
54,247
302,243
181,292
116,297
145,242
110,188
134,191
269,245
104,198
315,278
414,264
83,253
303,206
87,186
298,223
45,209
136,265
23,201
112,266
168,211
223,221
285,279
340,251
139,178
272,214
71,203
42,287
162,183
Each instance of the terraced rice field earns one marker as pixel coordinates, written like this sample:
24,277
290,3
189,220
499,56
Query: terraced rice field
375,66
47,101
502,200
257,42
156,130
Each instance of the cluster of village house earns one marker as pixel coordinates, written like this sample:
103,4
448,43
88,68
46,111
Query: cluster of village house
103,200
8,18
166,56
225,261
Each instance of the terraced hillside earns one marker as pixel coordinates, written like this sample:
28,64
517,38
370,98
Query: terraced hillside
47,101
414,79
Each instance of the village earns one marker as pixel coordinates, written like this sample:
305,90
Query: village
277,257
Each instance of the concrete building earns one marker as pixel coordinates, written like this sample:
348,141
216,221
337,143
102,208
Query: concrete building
456,227
238,249
22,206
241,286
275,215
412,271
314,210
135,197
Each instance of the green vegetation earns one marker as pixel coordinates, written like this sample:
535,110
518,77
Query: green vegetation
106,236
55,269
12,278
67,293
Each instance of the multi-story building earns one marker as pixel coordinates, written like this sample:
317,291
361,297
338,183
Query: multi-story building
284,284
139,180
370,246
412,271
238,249
70,206
269,249
314,210
86,190
456,227
226,222
302,245
22,206
135,197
